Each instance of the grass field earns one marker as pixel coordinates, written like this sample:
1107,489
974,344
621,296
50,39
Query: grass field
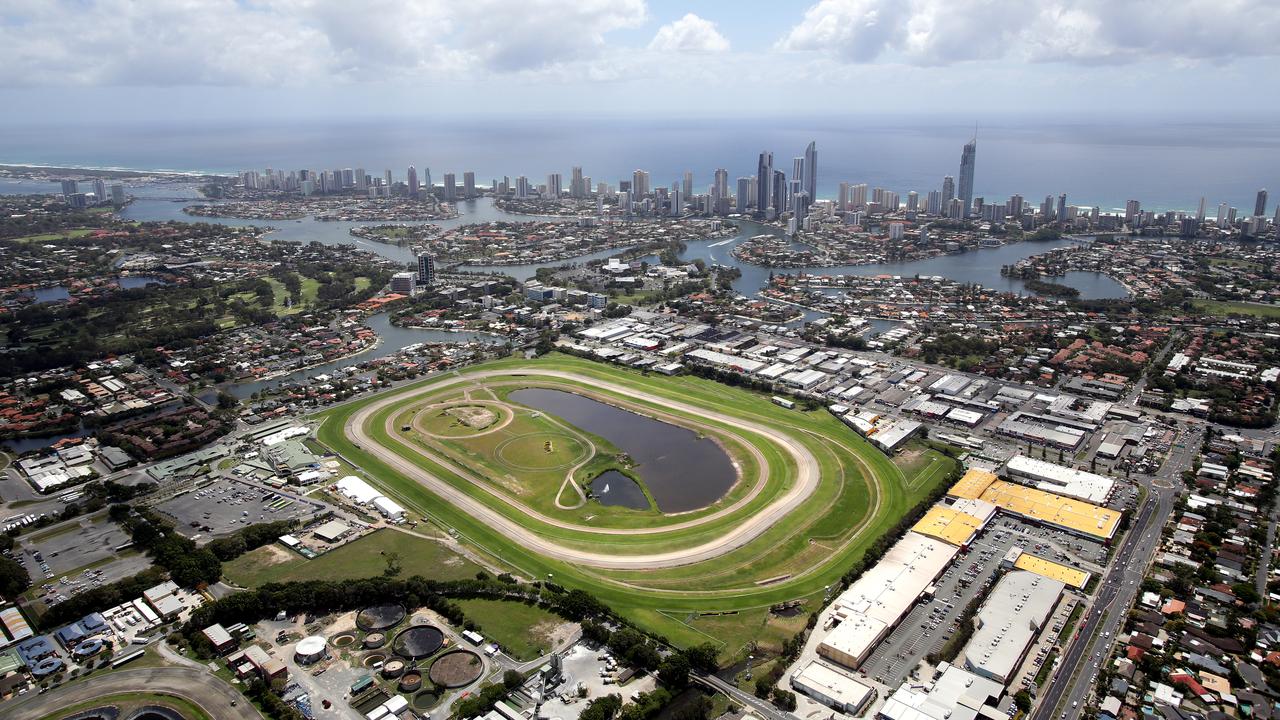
55,236
1225,307
725,600
524,630
359,559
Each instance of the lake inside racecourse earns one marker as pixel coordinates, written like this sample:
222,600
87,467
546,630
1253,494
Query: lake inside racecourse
682,470
613,488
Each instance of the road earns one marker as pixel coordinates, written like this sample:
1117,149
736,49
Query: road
1078,666
763,708
198,686
807,479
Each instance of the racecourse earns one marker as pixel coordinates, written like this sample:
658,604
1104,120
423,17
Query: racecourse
811,497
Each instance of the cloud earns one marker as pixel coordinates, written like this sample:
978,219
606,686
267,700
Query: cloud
689,34
1089,32
293,42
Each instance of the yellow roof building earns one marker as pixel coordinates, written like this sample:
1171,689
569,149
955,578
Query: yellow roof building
1067,513
949,525
1065,574
973,484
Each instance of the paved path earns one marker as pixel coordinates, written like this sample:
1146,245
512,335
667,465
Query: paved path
807,479
199,687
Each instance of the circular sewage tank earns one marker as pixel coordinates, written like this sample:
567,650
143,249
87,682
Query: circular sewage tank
418,642
411,681
373,659
456,669
310,650
342,640
393,669
379,617
374,640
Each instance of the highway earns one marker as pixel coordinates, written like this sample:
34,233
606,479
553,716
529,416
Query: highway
1090,647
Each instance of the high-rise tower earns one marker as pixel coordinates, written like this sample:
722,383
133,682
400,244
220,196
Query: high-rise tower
967,160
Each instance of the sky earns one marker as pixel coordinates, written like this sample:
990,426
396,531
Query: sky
130,61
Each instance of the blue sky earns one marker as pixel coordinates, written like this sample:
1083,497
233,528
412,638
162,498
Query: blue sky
237,60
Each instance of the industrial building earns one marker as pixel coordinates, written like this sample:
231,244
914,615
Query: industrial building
1055,478
952,525
1042,429
954,695
1046,508
1012,616
870,608
1074,577
833,688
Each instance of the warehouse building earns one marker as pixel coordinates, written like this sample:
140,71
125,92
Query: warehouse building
833,688
870,608
1038,506
1012,616
951,525
955,695
1055,478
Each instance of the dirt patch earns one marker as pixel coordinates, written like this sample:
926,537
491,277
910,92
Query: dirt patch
275,555
557,634
473,416
456,669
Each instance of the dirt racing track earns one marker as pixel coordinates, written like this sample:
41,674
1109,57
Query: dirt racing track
806,476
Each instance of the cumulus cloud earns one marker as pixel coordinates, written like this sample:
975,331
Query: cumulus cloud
689,34
939,32
275,42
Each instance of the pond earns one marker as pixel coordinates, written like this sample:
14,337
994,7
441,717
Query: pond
613,488
682,470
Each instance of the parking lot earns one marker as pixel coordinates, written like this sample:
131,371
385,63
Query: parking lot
928,625
67,546
224,506
58,558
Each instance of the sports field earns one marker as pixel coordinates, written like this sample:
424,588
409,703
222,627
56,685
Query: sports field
809,498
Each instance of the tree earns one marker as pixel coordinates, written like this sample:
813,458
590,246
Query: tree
226,401
703,658
512,679
784,699
14,579
602,708
674,671
1023,700
393,564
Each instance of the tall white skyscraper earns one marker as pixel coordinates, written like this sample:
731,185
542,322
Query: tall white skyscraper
809,180
1223,220
842,200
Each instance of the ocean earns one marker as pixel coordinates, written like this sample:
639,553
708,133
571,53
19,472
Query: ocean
1163,164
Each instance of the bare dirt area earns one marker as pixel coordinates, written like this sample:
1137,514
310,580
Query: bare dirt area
474,417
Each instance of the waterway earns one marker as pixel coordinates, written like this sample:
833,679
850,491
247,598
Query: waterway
982,266
682,470
391,340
